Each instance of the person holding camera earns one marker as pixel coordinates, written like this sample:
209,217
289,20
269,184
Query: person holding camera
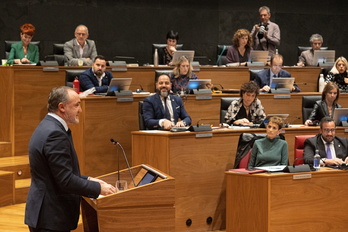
266,34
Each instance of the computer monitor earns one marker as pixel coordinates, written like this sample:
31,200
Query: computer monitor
118,84
284,84
324,56
341,116
189,54
259,56
199,84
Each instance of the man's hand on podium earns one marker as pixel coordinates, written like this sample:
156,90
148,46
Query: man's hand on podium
105,188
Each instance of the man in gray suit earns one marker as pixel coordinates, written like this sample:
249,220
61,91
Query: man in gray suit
80,48
307,57
53,202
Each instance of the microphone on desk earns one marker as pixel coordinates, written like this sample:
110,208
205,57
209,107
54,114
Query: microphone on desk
140,90
216,88
297,168
199,128
125,157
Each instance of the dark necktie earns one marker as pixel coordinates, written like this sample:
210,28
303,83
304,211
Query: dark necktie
328,151
166,110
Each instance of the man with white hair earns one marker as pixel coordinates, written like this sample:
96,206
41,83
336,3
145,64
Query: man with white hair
307,57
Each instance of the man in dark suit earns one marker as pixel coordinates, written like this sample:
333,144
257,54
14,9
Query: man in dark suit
53,202
97,76
264,78
162,110
333,150
80,48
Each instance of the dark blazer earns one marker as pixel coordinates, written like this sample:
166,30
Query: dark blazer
88,80
17,52
314,143
153,111
320,110
264,78
72,52
54,196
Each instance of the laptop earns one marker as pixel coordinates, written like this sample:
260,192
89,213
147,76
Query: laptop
282,84
189,54
117,84
340,116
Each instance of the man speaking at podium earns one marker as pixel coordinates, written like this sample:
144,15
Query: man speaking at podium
53,202
163,110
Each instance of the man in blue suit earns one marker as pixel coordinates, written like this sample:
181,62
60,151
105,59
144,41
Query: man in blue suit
163,110
264,77
53,202
97,76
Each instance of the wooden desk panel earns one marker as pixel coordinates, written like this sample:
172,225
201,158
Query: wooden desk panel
277,202
198,166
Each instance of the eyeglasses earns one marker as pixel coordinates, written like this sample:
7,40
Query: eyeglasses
329,130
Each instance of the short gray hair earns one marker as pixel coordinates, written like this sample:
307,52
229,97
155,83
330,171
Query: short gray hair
316,37
264,8
57,95
81,25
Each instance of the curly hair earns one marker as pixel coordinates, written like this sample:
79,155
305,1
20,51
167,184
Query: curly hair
28,29
239,34
176,70
249,87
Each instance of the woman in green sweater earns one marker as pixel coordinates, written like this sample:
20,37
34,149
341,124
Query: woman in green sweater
271,150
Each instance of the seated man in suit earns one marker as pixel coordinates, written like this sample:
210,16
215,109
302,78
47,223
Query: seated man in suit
80,48
264,77
307,57
96,76
333,150
163,110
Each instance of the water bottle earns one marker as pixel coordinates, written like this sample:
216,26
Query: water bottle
316,160
76,85
155,58
321,83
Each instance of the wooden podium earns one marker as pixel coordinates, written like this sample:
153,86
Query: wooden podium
149,207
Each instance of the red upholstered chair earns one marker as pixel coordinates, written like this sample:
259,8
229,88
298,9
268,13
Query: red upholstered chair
245,160
299,146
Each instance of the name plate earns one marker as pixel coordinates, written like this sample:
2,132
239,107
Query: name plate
125,99
302,176
204,135
119,69
50,69
204,97
282,96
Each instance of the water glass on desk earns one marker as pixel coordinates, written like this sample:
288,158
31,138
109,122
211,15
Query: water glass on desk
121,185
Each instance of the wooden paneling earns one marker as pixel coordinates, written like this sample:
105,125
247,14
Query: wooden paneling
277,202
7,188
198,166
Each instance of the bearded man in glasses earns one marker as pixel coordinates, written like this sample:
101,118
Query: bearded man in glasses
332,149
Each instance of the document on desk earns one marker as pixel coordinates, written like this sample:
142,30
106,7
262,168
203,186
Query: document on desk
278,168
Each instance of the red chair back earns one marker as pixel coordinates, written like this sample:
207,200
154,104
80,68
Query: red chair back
245,160
299,147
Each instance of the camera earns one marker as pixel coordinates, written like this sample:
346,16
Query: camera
263,28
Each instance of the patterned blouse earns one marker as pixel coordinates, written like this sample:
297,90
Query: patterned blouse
257,111
181,82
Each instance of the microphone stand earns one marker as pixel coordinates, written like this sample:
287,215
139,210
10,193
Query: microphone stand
125,157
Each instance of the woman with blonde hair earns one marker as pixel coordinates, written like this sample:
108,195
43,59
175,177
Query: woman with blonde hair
338,73
239,52
23,52
182,74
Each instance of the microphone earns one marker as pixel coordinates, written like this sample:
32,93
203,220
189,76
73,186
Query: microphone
139,90
297,168
125,157
215,88
199,128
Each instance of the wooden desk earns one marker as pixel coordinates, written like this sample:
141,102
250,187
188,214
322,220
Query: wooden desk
24,91
198,166
228,77
278,202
